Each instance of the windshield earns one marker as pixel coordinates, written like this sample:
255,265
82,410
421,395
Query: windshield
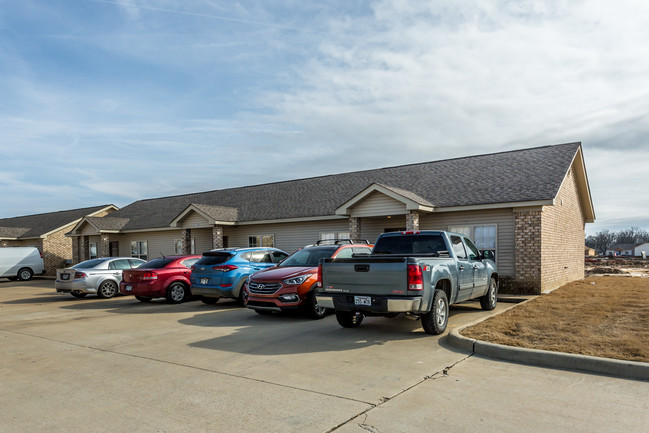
410,244
89,263
156,264
308,257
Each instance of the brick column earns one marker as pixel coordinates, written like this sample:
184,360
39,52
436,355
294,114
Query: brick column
355,228
186,236
527,271
217,237
104,245
412,221
76,258
84,248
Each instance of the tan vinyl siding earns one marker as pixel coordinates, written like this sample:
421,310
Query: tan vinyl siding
202,240
503,219
194,220
157,242
89,230
289,236
371,228
377,204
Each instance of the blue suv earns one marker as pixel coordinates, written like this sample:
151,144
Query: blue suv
221,273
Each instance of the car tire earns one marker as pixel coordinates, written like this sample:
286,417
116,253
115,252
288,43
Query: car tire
78,294
313,310
25,274
435,321
263,312
489,301
143,298
107,289
176,293
241,299
349,319
209,301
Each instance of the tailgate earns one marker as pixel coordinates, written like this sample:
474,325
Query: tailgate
370,276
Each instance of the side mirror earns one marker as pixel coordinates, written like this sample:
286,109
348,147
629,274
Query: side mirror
487,254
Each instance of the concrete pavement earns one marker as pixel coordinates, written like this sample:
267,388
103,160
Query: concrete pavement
70,364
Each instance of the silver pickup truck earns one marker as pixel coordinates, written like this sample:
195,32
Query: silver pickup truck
418,273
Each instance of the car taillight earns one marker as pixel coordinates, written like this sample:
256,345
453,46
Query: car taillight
415,278
225,268
149,276
319,282
80,275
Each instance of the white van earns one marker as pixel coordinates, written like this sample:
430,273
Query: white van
20,263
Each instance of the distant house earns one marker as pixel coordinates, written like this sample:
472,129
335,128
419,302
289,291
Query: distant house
47,232
638,250
590,252
528,206
622,250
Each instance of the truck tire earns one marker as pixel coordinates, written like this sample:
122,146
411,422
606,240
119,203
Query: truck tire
490,299
434,322
349,319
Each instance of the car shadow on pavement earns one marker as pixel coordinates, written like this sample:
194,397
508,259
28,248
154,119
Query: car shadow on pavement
130,305
275,335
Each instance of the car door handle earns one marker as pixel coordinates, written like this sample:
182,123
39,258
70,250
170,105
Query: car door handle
461,267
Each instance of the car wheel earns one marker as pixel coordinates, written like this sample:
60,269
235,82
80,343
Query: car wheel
490,299
208,300
107,289
349,319
242,296
435,321
25,274
263,312
313,310
176,293
143,298
78,294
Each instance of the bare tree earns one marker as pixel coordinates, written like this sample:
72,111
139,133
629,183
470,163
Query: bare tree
633,235
601,241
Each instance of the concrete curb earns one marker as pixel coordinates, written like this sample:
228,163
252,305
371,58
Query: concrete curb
544,358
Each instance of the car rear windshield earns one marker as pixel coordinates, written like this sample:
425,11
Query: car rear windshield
308,256
89,263
410,244
213,259
156,264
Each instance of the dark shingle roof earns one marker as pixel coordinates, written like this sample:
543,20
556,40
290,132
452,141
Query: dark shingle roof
31,226
108,222
506,177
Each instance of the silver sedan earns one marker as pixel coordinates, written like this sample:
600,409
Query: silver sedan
100,276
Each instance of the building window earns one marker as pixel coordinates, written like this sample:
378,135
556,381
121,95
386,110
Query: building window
139,250
334,236
483,236
93,250
261,241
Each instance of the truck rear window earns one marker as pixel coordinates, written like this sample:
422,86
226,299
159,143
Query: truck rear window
410,244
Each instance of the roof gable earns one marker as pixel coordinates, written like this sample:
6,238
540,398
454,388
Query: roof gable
410,200
212,214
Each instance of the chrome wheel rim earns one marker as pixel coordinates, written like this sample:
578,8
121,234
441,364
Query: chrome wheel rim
109,289
441,312
492,293
24,275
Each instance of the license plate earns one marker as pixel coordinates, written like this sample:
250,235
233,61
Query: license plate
205,281
363,300
65,276
129,288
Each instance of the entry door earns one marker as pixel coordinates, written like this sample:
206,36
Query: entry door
465,269
113,249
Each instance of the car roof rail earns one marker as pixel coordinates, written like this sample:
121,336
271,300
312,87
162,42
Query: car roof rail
342,241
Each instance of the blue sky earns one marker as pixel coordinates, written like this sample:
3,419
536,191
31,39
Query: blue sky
112,101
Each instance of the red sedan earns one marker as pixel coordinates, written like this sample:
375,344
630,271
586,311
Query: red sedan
166,277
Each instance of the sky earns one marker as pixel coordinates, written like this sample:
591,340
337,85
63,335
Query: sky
113,101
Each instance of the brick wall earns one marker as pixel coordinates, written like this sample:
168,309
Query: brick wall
528,258
57,248
562,243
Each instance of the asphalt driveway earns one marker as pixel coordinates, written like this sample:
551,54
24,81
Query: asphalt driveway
89,364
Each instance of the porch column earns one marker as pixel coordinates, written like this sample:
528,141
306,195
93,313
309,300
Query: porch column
412,221
186,235
355,228
85,248
217,237
76,257
104,245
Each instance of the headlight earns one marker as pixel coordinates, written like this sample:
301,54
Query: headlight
296,280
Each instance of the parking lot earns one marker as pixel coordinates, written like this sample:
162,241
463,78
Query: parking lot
90,364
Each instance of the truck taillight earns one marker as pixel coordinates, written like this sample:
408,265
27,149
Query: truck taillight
319,282
149,276
415,278
225,268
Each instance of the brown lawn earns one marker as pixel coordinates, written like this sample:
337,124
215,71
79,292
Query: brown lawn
600,316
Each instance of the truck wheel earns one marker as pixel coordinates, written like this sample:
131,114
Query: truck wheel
490,299
25,274
107,289
176,293
313,310
435,321
349,319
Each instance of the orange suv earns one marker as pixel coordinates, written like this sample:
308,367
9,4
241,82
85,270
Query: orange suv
290,285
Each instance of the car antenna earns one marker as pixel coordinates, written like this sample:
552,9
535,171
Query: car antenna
163,256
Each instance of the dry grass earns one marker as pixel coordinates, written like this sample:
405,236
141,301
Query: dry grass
599,316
